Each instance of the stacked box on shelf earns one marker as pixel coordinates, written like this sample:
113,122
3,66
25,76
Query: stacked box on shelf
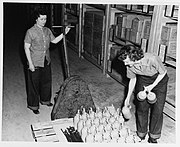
128,26
93,33
98,25
120,25
88,32
145,8
128,7
145,33
97,44
114,51
163,43
150,9
164,35
121,6
138,8
119,21
112,31
144,44
175,11
136,30
171,11
146,28
124,23
172,31
132,28
171,50
168,41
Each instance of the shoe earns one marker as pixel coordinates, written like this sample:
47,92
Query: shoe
152,140
139,139
142,139
36,111
50,105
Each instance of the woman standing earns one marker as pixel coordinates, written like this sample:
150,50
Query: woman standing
36,45
146,70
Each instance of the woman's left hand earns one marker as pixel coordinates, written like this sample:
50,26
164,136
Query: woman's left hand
149,88
49,61
67,29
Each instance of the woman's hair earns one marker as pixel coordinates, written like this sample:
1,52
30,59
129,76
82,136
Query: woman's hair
133,52
38,12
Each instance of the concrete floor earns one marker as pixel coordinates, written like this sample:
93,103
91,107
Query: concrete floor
16,118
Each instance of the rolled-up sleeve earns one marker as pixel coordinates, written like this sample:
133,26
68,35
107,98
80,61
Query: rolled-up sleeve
52,37
130,74
157,63
28,37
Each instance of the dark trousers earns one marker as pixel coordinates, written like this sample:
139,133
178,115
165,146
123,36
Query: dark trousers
39,86
150,116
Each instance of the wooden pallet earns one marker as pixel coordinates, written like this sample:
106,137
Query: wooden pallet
51,131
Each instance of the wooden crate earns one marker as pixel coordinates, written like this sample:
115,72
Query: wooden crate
169,110
51,131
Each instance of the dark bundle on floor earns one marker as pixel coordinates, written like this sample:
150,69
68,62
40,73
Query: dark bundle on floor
73,95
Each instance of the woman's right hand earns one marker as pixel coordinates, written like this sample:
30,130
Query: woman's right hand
67,29
126,102
31,67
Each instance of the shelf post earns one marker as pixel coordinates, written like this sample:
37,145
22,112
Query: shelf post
106,37
155,29
80,29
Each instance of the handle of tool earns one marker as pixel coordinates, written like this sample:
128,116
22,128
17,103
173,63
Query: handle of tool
64,22
65,54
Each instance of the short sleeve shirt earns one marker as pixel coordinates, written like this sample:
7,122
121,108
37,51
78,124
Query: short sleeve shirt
149,65
39,39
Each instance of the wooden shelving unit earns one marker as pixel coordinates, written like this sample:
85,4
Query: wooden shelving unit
127,15
108,13
162,44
